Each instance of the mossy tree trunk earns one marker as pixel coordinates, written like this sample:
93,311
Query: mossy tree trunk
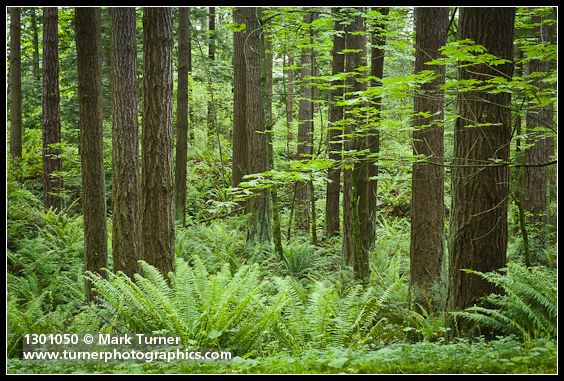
260,209
357,224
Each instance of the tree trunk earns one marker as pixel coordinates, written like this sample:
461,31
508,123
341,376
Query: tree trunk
349,247
376,73
358,244
259,228
157,181
15,84
290,102
427,202
35,43
540,149
268,66
240,165
335,132
106,64
126,237
51,119
89,58
305,134
190,104
182,110
482,134
211,59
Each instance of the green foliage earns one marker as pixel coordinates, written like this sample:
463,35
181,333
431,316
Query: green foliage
527,306
502,356
49,262
236,310
322,318
44,262
390,261
215,243
297,259
221,310
28,318
394,193
40,314
22,215
478,357
207,178
427,326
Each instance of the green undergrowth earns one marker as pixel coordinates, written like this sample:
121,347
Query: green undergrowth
302,312
506,355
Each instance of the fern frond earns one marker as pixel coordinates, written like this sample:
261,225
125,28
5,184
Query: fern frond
528,305
291,328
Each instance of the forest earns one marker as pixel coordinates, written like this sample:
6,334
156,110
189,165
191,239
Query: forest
281,190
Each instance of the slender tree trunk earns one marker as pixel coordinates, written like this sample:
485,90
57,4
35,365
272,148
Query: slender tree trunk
540,149
269,64
190,102
482,133
290,102
314,97
349,251
35,52
427,203
106,65
211,29
335,132
358,245
126,200
182,115
35,41
376,73
157,181
289,85
360,183
516,174
211,59
89,58
15,84
51,119
349,246
305,135
241,148
259,228
552,193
